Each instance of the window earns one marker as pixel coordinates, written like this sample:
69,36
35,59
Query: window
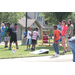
46,22
39,18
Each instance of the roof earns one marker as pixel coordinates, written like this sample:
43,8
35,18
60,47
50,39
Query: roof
22,22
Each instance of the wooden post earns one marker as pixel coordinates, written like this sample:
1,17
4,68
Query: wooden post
42,37
49,37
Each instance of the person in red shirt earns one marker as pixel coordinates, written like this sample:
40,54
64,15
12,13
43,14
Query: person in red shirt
64,34
56,35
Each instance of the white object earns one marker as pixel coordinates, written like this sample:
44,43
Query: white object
54,54
28,36
39,51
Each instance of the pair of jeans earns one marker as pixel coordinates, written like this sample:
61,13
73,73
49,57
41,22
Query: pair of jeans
72,47
56,46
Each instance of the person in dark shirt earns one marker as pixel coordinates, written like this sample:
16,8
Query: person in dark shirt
13,35
71,44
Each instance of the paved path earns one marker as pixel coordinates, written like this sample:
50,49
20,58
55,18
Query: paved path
61,58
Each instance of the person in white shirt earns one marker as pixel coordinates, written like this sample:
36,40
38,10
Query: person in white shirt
29,34
34,38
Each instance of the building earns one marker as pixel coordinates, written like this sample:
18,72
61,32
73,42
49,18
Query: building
33,21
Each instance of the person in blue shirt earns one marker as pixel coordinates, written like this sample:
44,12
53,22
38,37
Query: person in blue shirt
2,31
24,35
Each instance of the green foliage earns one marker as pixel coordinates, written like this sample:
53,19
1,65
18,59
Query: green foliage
55,17
11,17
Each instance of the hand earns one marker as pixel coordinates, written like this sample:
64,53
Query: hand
7,35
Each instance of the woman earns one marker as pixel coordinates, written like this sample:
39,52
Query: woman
64,34
0,34
70,32
2,31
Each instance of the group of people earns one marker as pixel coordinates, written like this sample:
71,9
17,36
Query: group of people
8,33
31,38
62,32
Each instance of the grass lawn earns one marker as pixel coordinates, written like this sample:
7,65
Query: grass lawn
5,53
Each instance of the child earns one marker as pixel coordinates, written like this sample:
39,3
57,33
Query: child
34,38
6,38
29,33
56,41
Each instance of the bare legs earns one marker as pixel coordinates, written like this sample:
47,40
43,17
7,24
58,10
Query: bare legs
63,43
68,45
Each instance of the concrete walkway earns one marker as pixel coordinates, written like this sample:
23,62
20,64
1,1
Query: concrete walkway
61,58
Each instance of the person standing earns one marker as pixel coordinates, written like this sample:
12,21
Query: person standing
6,38
15,26
59,28
71,44
2,31
57,35
29,34
64,34
0,34
34,38
13,35
70,32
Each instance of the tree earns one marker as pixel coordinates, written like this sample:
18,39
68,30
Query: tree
11,17
55,17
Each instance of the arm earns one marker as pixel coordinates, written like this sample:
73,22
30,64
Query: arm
54,37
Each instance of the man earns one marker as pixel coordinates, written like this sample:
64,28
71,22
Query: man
57,35
71,44
13,35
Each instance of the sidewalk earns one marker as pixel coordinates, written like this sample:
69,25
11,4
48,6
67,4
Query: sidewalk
61,58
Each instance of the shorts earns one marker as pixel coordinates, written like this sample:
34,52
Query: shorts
69,37
65,37
6,38
13,39
34,41
28,41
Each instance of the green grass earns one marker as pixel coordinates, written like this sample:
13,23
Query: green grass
5,53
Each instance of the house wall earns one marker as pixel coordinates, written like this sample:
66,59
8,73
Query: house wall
31,15
19,32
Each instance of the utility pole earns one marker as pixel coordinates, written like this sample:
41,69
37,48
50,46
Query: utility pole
26,24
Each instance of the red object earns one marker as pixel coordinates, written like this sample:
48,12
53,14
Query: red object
55,42
45,38
15,28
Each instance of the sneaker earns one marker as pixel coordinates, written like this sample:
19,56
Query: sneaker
57,55
5,46
64,52
27,49
68,50
54,54
9,48
17,48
